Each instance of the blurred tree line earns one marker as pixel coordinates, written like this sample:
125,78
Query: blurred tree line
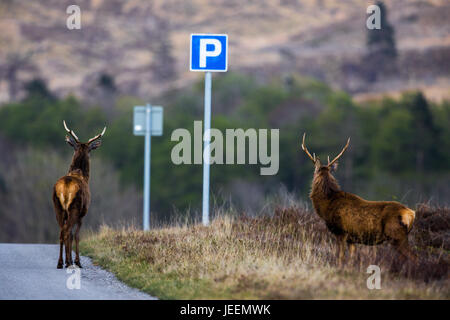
400,149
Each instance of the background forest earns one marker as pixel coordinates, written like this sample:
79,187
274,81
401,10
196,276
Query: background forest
400,150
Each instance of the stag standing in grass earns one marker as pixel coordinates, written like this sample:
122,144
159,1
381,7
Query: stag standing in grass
355,220
71,195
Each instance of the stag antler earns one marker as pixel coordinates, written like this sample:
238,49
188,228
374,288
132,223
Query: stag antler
306,149
98,136
339,155
71,132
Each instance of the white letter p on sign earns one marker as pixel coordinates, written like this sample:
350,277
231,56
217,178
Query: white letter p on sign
204,53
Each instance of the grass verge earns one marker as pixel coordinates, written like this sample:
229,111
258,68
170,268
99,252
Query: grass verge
289,255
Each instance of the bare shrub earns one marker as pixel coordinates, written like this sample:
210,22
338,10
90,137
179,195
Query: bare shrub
432,227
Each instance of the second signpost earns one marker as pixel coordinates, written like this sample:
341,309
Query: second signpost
147,121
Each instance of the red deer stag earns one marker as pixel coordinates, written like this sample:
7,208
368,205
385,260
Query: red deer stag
355,220
71,195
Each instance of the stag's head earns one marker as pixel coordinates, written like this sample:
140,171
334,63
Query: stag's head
321,169
83,148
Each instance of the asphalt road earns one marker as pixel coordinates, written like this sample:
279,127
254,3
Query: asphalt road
28,271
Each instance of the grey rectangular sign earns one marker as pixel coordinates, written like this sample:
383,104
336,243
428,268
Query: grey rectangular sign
139,122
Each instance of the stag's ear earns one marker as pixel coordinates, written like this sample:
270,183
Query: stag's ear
71,141
334,166
95,144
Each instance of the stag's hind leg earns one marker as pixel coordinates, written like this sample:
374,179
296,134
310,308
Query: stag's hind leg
397,233
61,220
77,239
67,244
61,242
68,238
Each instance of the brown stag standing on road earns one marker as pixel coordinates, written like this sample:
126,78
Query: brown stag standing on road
355,220
71,195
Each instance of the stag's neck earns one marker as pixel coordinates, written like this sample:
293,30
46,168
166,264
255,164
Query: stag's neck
80,164
324,185
323,191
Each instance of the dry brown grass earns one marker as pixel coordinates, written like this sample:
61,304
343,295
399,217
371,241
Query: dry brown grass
289,255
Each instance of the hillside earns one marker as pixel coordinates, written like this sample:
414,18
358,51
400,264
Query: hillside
144,45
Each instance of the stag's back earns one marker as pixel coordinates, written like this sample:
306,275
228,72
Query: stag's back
356,216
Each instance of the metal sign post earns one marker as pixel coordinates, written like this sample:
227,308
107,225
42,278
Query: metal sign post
148,121
209,53
207,153
147,153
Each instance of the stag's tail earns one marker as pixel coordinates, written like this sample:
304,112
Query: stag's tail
65,190
407,217
65,202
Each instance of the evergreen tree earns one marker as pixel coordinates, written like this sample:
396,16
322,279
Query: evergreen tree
381,47
38,87
425,133
382,40
164,65
107,83
165,62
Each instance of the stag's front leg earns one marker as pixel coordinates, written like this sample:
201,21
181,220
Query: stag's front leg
351,248
77,240
342,244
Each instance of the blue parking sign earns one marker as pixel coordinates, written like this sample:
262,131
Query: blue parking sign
209,52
